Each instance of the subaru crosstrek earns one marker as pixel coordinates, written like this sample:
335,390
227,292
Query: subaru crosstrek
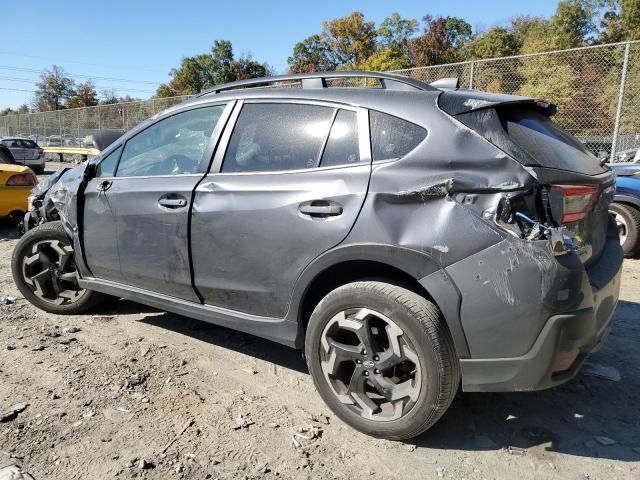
409,237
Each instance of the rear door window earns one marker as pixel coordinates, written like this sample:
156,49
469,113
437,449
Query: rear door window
342,145
393,137
272,137
28,144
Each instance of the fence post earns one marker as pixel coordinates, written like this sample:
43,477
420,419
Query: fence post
99,122
471,73
44,125
29,121
78,121
153,105
623,78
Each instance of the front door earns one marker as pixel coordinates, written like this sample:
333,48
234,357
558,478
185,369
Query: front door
149,198
290,186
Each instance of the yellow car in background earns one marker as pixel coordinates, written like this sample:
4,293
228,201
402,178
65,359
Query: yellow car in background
16,182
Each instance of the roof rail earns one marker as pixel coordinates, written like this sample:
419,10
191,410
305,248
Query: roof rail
389,81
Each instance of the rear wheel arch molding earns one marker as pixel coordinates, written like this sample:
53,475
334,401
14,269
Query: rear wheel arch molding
404,267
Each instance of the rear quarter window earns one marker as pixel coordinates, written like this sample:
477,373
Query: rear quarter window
393,137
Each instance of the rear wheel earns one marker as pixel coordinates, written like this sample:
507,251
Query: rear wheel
382,359
628,221
44,270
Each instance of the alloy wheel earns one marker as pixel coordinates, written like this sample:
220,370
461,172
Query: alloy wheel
50,271
622,228
370,364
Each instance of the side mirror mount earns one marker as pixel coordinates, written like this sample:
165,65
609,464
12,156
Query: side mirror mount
90,169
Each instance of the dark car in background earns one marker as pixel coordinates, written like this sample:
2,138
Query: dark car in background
408,238
626,206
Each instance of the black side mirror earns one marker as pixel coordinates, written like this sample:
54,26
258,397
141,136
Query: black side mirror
90,169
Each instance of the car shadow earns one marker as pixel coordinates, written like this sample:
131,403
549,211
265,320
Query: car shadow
566,419
247,344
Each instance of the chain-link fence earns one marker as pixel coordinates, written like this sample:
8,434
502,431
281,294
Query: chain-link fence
596,89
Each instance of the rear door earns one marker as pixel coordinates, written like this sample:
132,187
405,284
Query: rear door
16,149
30,150
147,202
286,185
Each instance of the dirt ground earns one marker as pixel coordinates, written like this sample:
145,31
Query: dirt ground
107,393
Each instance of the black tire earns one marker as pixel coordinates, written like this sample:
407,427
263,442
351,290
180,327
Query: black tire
629,222
55,291
423,331
38,170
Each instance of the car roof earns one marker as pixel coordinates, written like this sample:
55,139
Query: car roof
410,105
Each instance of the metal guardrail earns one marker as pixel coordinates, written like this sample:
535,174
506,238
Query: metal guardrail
596,89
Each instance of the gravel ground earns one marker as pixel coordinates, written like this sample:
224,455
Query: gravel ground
108,392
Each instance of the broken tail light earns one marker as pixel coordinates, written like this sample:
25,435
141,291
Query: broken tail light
22,180
575,201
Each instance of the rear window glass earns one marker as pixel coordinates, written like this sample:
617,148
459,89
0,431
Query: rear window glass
29,144
546,142
392,137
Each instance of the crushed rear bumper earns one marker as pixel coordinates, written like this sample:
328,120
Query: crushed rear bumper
566,336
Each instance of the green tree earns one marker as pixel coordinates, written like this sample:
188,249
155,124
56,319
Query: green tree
85,95
384,59
7,111
351,39
311,55
203,71
53,89
572,24
497,42
393,36
24,108
630,19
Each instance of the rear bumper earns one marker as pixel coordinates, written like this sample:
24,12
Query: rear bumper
566,338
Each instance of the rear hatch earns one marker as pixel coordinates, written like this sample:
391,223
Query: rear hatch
575,188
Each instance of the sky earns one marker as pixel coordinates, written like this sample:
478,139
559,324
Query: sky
130,46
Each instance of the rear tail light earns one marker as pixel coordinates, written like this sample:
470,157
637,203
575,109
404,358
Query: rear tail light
577,200
22,180
40,151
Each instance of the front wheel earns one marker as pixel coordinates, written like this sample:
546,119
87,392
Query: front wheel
382,359
44,270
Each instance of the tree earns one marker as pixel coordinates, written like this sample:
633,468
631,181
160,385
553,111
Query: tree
572,24
24,108
630,19
311,55
203,71
7,111
85,95
53,89
351,39
394,34
385,59
497,42
441,41
164,91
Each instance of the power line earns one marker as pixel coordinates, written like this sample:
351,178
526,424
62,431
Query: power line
75,61
110,79
97,87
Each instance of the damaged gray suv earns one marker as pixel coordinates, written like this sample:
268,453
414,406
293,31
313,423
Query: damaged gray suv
408,237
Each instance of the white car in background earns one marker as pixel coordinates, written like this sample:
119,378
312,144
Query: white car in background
26,152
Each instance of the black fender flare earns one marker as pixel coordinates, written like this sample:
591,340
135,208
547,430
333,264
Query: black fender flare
627,199
422,267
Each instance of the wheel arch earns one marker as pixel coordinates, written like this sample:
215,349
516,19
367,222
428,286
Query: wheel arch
627,200
407,268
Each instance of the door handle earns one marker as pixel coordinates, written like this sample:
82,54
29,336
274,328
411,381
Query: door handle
320,209
172,202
